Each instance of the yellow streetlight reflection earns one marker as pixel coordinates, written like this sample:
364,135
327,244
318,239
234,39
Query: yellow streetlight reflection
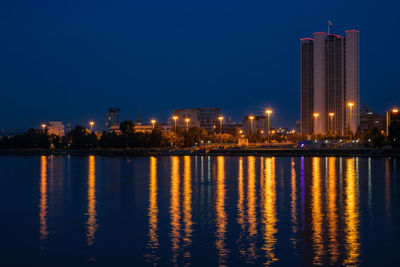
221,219
153,213
251,208
269,212
92,220
187,207
43,199
175,214
351,219
316,212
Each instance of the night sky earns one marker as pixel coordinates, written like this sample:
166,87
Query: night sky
71,60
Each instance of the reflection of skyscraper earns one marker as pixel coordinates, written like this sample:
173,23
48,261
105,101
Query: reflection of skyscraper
152,214
112,118
329,82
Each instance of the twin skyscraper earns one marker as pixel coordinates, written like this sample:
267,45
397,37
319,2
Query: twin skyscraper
330,83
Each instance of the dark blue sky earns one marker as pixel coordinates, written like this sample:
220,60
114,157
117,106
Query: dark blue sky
71,60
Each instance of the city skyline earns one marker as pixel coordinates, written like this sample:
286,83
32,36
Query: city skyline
59,68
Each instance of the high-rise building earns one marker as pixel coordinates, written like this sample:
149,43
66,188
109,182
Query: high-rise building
330,87
112,118
206,118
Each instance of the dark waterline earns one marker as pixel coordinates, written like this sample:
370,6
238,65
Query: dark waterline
201,210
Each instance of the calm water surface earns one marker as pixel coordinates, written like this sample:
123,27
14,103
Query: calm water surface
104,211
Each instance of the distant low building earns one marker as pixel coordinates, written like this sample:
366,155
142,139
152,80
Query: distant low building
298,126
260,123
206,118
112,118
56,128
148,128
229,127
114,129
369,119
391,116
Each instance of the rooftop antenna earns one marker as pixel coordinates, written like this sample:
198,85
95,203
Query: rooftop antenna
329,26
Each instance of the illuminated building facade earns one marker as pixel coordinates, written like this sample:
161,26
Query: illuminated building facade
56,128
329,83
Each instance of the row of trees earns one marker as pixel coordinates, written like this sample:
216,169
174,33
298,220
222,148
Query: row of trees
82,138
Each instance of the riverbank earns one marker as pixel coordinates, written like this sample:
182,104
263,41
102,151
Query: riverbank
268,152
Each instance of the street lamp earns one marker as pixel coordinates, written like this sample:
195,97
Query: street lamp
187,124
175,118
153,122
251,124
331,115
269,112
43,127
220,118
316,115
395,110
91,126
350,104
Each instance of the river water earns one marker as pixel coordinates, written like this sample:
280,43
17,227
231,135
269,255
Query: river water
199,211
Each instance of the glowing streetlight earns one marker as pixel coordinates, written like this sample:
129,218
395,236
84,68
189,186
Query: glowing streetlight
269,112
153,122
220,118
331,115
350,105
251,124
175,118
91,123
187,124
43,127
395,110
316,115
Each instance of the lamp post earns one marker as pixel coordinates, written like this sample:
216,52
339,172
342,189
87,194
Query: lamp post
316,115
331,115
251,124
187,124
91,123
350,104
43,127
153,122
175,118
269,112
220,118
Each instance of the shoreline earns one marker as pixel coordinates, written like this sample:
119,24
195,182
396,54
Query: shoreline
271,152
